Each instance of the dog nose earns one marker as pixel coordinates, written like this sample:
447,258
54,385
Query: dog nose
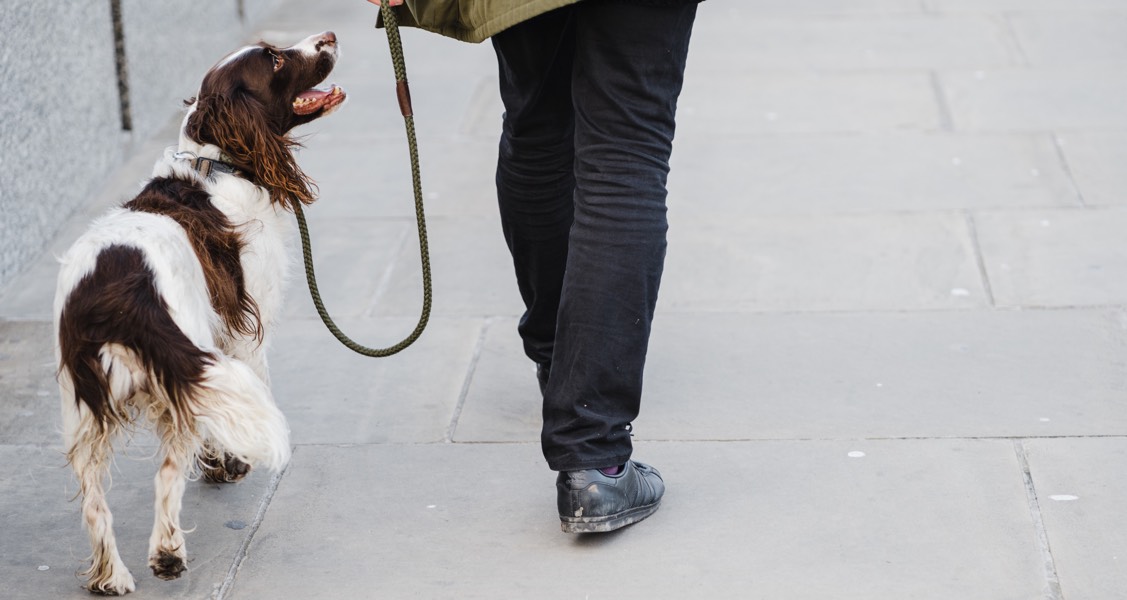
329,38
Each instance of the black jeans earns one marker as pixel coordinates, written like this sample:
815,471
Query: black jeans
590,92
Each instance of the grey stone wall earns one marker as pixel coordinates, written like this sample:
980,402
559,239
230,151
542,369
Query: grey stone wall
62,130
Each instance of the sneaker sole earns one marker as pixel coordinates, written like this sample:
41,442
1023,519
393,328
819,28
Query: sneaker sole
607,523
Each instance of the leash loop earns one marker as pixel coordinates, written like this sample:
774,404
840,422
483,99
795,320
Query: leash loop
403,94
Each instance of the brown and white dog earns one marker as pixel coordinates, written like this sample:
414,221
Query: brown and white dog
163,308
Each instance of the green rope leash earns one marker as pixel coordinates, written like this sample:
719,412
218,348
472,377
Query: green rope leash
404,95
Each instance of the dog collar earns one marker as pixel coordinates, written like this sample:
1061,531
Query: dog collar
206,166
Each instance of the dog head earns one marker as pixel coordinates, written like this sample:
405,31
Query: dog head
249,101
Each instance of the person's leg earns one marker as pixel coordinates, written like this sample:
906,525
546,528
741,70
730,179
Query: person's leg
535,180
629,65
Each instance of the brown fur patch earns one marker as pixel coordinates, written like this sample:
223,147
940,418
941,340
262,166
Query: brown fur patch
218,247
118,303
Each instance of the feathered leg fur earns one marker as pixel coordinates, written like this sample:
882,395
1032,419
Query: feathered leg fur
89,449
231,407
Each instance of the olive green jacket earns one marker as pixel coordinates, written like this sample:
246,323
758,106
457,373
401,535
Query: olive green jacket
471,20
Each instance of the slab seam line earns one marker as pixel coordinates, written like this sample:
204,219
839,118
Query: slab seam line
1062,156
471,369
383,284
244,548
946,118
979,258
1052,580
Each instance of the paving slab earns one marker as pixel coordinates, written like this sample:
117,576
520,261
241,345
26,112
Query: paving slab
44,545
731,376
1054,6
1056,258
471,268
748,520
502,401
1036,99
441,103
754,8
351,259
906,41
846,262
331,395
733,176
29,413
932,374
1081,495
1096,161
444,76
1087,39
802,102
361,176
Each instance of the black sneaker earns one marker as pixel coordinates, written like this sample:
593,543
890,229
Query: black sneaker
592,501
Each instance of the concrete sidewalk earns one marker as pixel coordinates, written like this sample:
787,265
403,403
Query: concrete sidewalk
890,359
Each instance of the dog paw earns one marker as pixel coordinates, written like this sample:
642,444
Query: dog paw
117,583
167,565
223,470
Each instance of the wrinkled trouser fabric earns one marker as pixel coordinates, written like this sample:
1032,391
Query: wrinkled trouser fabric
590,92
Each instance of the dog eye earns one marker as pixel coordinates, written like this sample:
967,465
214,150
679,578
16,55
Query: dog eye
279,61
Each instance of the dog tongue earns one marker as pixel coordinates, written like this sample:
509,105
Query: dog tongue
309,101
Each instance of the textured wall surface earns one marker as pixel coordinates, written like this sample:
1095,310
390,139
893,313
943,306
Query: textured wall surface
61,125
169,50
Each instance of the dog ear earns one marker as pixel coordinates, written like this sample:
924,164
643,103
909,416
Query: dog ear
238,124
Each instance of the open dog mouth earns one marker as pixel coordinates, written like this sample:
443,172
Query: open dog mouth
311,101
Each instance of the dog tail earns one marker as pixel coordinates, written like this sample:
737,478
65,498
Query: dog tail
235,409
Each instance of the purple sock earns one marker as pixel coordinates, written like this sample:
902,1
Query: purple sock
611,471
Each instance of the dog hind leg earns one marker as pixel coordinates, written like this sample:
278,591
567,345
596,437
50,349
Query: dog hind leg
89,448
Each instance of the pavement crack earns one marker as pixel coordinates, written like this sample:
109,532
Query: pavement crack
1052,580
